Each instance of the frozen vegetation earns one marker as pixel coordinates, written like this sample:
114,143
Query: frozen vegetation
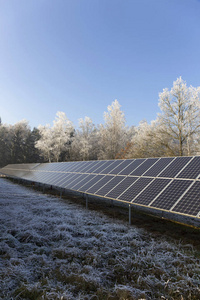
55,249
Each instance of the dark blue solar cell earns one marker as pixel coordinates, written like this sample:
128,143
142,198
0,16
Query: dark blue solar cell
102,166
74,181
94,166
122,166
144,166
110,167
69,179
192,170
87,166
175,167
93,189
90,183
63,181
190,203
151,191
130,168
171,194
86,179
135,189
110,185
158,166
79,166
121,187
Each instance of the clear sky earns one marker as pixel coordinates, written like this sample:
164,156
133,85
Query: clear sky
78,56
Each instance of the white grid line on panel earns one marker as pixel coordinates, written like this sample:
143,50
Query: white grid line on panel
94,172
103,176
116,167
116,184
166,167
150,167
106,182
125,168
97,165
138,166
143,189
160,192
182,195
184,167
73,179
107,167
86,175
129,185
94,175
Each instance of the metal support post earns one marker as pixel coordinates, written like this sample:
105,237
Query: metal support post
129,214
61,194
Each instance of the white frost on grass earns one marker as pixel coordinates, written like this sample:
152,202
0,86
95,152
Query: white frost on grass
54,249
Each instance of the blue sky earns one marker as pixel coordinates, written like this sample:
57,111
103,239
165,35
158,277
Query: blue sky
78,56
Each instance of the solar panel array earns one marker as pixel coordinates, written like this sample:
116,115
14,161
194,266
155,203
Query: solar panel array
167,184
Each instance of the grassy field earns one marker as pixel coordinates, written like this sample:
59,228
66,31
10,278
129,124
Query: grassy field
53,248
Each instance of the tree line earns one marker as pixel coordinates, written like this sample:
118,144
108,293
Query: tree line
175,132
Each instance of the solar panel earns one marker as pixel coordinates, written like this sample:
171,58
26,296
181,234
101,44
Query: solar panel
147,196
121,187
63,179
110,167
69,179
82,180
93,189
94,166
144,166
72,182
131,167
192,170
158,167
169,183
80,177
175,167
135,189
121,167
86,166
90,183
190,203
109,185
104,165
79,166
59,178
171,194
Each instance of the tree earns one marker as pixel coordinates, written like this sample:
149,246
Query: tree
179,119
113,134
84,146
17,138
62,132
56,139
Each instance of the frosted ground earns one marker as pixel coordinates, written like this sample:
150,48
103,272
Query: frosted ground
52,248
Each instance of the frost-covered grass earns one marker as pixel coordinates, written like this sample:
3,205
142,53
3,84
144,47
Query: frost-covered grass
55,249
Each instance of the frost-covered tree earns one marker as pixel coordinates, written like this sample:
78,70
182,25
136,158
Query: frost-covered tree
84,146
44,144
113,134
56,139
180,116
62,131
148,142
